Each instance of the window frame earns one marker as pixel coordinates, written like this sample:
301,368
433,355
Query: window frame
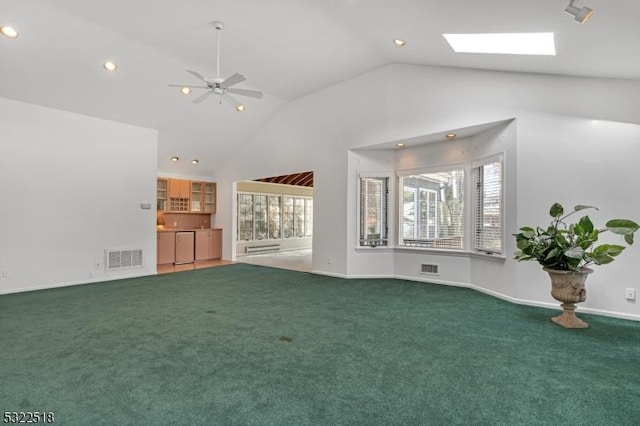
385,213
475,203
401,174
306,232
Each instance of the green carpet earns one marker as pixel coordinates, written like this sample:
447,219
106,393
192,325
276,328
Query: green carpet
203,347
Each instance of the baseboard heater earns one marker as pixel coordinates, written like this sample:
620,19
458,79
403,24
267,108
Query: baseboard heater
262,248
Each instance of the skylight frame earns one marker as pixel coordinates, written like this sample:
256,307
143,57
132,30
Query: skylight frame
503,43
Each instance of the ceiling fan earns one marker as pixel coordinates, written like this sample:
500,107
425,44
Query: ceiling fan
219,86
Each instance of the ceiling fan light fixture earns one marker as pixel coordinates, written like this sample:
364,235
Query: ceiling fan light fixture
110,66
8,31
580,14
218,85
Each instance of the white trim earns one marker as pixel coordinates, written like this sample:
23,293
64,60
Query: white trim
73,283
510,299
432,169
488,159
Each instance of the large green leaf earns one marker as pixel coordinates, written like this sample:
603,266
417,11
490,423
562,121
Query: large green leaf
622,226
582,207
608,249
574,252
556,210
523,244
527,232
586,224
601,259
552,253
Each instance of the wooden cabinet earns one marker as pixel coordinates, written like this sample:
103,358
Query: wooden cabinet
185,196
179,195
203,197
208,244
162,194
166,248
209,197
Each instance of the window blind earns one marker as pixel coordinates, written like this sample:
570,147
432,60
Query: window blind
374,196
488,207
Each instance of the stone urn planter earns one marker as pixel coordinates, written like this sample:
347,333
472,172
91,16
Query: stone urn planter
568,287
565,250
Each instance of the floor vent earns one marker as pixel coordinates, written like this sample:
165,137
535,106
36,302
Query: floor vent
123,259
262,248
429,268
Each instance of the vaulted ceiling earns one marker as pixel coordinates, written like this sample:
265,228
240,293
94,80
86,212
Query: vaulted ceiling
285,48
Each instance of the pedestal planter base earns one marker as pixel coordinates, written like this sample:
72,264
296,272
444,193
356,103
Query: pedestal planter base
568,287
568,319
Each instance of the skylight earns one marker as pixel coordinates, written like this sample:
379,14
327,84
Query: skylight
503,43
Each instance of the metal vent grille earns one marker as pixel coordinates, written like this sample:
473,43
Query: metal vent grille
123,259
429,268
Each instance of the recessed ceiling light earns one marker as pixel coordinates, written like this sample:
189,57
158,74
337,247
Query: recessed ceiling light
503,43
175,159
9,32
110,66
194,161
240,108
401,145
451,135
185,90
399,42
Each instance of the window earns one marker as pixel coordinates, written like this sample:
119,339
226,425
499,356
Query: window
273,215
260,212
245,217
432,210
262,216
488,207
308,217
298,217
374,195
287,217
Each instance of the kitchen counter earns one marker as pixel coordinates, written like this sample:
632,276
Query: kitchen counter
184,229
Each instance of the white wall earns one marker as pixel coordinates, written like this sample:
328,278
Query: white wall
402,101
72,186
581,161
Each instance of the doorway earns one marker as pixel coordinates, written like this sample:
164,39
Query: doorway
274,221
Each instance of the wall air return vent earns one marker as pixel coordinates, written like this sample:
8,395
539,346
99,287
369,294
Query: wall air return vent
123,259
429,268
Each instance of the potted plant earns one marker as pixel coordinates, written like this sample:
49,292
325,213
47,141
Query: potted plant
565,250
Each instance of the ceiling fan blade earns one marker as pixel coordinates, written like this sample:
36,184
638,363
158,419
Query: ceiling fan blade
197,75
231,101
189,86
202,97
245,92
234,79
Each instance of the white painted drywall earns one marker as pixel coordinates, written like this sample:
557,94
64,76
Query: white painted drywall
72,186
404,101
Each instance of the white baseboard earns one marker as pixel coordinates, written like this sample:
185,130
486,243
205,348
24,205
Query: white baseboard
72,283
492,293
